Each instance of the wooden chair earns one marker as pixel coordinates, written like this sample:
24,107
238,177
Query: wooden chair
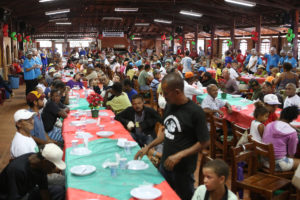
204,159
215,139
238,132
257,183
266,151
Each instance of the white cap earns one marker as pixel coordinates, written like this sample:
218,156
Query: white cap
23,114
54,154
90,60
271,99
52,70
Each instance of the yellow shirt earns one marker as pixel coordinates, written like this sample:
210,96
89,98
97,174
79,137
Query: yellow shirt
120,103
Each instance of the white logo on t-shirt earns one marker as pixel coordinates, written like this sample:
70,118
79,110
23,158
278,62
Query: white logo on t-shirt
172,124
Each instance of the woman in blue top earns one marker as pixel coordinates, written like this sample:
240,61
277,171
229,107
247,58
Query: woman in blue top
291,59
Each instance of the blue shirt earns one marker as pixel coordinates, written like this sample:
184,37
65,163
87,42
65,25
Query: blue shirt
138,63
281,60
293,61
272,61
228,59
131,93
82,52
247,59
37,71
38,130
259,61
44,60
30,75
203,69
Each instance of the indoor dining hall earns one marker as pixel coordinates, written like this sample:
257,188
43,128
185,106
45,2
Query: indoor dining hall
149,100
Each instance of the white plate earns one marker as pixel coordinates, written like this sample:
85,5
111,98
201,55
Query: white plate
83,135
145,193
80,151
236,96
121,143
90,121
82,170
105,133
294,123
77,123
103,114
137,165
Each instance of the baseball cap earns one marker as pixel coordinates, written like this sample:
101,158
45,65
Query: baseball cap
261,67
54,154
189,75
23,114
271,99
52,70
34,96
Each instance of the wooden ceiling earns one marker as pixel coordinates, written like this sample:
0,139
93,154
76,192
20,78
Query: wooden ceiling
86,16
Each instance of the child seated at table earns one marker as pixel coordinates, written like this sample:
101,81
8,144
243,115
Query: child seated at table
261,114
215,174
261,72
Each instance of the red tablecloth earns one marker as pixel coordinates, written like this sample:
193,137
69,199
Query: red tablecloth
68,133
246,79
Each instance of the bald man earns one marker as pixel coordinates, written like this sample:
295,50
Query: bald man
184,134
211,103
292,98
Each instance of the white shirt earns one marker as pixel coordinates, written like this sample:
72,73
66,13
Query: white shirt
252,60
103,91
162,71
292,101
201,190
233,73
187,64
22,144
42,86
254,130
211,103
115,67
190,91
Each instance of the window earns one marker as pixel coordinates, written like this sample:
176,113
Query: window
265,46
200,44
243,46
44,44
79,43
224,47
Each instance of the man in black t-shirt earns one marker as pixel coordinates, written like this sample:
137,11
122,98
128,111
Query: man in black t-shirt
27,175
184,134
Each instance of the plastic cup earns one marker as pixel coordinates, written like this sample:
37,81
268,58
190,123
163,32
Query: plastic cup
86,142
114,169
127,148
74,143
123,163
101,127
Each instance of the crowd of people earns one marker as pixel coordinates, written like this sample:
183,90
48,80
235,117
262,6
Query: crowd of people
125,80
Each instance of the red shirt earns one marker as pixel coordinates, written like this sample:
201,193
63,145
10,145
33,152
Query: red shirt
17,68
272,117
240,58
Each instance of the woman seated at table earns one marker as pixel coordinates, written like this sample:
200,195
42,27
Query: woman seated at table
287,76
284,139
119,102
76,81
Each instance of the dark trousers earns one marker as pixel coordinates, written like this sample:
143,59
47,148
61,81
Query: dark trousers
182,182
142,139
30,85
57,192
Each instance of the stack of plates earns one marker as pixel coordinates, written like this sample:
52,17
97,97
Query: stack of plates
137,165
105,133
82,170
80,151
122,141
145,193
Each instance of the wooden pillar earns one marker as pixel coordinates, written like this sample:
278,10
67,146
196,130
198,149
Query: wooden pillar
212,36
173,41
183,44
218,47
196,38
279,43
232,34
258,30
295,31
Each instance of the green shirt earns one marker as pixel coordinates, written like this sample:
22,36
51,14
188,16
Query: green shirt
119,103
143,78
256,94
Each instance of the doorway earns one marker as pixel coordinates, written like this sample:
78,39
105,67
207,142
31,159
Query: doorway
59,47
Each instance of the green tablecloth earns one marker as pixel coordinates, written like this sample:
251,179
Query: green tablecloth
229,98
82,105
101,182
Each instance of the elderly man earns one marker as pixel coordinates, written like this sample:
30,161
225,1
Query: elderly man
29,72
281,60
50,75
211,104
184,135
140,120
26,176
266,89
107,84
292,98
273,59
230,86
145,78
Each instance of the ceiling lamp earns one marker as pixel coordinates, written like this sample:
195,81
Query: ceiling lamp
63,23
242,2
163,21
55,12
190,13
112,18
126,9
43,1
142,24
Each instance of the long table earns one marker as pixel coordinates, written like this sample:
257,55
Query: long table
100,184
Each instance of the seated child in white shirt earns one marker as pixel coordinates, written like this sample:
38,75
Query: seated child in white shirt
261,115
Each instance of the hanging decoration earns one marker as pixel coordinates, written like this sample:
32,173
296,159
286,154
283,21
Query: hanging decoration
163,37
171,38
193,43
5,30
290,35
254,36
13,35
229,43
209,43
100,37
132,37
28,38
19,37
180,39
24,41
